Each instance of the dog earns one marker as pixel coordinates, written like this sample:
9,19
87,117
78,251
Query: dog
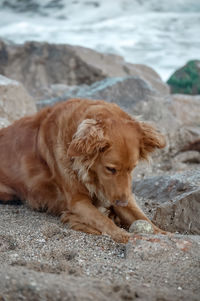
75,159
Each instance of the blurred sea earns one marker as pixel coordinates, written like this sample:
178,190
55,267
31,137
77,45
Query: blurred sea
162,34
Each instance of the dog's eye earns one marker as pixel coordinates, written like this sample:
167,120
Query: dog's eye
112,170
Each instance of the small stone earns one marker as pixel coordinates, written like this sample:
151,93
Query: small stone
141,226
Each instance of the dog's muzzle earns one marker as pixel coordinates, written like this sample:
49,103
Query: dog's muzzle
121,203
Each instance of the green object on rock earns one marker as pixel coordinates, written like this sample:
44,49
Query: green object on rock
186,80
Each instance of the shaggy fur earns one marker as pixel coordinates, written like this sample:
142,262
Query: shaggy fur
75,160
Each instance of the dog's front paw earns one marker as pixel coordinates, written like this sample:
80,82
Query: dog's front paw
160,231
121,236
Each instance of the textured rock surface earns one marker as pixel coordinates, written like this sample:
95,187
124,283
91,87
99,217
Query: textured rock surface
125,91
186,109
40,65
114,66
15,102
37,65
186,80
169,257
173,201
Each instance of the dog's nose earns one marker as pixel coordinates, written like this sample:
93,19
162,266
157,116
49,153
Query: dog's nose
121,203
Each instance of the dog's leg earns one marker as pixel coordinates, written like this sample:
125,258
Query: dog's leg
6,193
75,223
46,195
6,197
132,212
89,215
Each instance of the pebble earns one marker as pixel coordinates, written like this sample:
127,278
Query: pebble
141,226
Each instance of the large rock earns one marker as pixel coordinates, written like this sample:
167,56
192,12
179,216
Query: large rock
186,109
173,201
125,91
37,65
180,258
40,65
15,102
186,80
114,66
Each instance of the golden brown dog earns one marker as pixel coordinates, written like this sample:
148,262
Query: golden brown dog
75,159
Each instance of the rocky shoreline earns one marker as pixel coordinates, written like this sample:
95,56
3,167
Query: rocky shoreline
43,260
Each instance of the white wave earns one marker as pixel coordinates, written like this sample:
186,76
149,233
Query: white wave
162,34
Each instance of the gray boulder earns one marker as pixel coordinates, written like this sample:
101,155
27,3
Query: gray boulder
173,201
177,257
125,91
186,109
115,66
40,65
15,102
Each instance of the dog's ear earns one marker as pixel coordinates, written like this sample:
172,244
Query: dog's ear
151,139
88,139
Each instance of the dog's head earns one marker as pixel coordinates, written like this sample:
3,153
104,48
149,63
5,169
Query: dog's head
106,151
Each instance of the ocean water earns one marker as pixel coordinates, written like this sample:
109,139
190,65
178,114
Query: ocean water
162,34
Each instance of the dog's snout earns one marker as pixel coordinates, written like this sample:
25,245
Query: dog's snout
122,203
122,200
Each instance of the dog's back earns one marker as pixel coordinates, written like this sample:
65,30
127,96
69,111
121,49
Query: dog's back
16,142
21,158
